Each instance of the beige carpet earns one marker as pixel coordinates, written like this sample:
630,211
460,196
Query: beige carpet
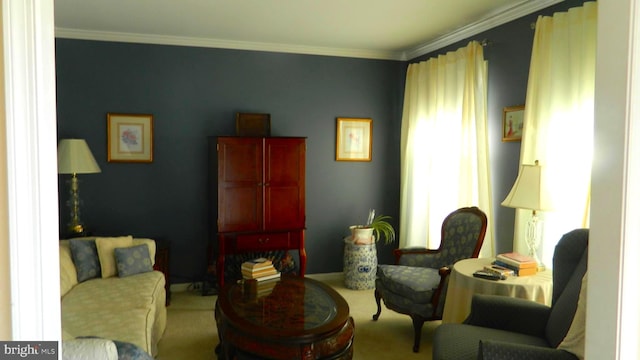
191,332
191,328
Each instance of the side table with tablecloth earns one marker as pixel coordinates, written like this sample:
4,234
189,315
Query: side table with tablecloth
462,286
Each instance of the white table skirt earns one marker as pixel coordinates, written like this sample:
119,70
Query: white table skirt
462,286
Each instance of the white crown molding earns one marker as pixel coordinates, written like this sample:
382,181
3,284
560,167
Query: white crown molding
504,15
223,44
499,17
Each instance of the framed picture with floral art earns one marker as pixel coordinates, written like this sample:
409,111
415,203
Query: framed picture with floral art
353,139
129,138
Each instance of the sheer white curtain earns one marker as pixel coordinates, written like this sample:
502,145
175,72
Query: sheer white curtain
444,152
558,121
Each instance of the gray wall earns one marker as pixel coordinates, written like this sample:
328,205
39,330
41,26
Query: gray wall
195,92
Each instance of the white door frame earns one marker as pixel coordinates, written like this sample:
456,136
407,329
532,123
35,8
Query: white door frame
30,117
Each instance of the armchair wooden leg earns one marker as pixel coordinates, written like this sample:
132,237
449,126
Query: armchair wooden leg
378,296
418,321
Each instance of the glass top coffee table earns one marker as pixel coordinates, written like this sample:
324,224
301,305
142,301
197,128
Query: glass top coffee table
290,318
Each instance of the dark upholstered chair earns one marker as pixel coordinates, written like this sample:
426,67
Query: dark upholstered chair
417,284
501,327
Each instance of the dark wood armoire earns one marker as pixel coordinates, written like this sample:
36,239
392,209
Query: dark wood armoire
258,188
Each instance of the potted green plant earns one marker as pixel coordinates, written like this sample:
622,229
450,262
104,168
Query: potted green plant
377,227
360,257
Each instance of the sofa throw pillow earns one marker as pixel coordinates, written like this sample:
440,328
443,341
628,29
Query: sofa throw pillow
105,246
574,341
130,351
133,260
85,258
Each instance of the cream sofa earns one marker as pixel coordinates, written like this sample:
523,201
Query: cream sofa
127,308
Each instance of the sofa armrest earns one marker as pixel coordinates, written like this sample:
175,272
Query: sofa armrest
152,247
89,348
508,313
497,350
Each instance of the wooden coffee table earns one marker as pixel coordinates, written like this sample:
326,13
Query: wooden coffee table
291,318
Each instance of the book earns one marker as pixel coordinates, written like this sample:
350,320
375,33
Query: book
518,260
258,270
518,271
267,277
257,261
518,257
248,274
257,264
265,269
500,270
527,272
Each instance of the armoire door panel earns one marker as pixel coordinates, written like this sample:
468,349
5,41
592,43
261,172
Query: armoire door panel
283,208
240,160
240,196
240,209
284,183
284,161
286,171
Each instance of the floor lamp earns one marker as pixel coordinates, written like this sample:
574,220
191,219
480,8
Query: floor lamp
74,157
529,192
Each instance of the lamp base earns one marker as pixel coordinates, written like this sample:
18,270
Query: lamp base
74,226
74,231
533,254
532,237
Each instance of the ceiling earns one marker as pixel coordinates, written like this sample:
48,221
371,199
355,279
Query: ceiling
377,29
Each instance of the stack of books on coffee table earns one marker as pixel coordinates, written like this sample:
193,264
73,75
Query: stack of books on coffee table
260,269
522,265
260,276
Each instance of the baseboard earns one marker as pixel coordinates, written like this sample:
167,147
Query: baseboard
181,287
326,276
197,286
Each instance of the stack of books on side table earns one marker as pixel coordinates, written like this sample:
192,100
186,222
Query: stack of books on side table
522,265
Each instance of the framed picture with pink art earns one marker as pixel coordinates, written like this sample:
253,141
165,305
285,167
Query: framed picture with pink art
512,123
129,138
353,139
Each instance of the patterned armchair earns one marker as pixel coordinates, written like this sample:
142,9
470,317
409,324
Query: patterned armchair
417,284
502,327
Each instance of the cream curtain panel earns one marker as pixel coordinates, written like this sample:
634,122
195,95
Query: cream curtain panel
444,151
559,121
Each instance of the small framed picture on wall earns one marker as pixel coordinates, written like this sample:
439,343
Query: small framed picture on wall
353,139
129,138
512,123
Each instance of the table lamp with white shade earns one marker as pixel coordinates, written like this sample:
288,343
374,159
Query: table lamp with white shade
74,157
530,192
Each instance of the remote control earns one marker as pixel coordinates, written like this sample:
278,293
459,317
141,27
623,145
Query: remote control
488,275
